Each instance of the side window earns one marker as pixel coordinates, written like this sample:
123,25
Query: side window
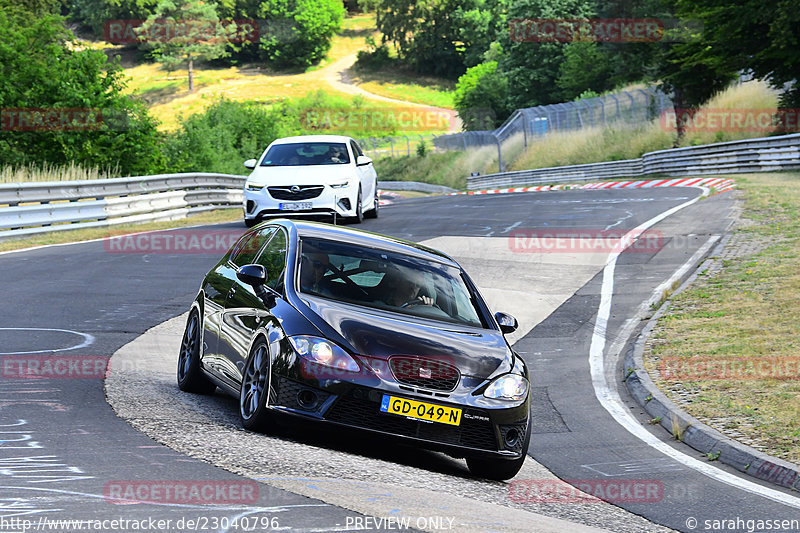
247,248
356,149
273,259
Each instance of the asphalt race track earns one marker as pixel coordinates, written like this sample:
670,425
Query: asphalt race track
66,455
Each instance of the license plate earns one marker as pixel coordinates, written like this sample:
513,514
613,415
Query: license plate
295,206
421,410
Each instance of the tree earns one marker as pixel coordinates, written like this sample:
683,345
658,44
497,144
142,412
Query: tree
762,37
480,97
185,30
586,67
97,13
533,67
299,32
61,104
441,37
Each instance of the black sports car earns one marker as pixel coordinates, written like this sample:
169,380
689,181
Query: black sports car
361,330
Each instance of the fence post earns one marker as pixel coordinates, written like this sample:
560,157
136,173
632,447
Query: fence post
408,144
525,128
391,145
499,154
633,106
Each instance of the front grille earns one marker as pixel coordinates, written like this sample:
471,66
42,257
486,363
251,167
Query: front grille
304,192
433,374
359,410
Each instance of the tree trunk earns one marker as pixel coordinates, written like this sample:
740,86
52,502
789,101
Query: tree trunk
679,105
191,75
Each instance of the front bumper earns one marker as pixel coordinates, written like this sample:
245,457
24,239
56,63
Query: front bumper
339,201
482,432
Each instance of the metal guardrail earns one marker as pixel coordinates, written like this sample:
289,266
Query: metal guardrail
31,208
768,154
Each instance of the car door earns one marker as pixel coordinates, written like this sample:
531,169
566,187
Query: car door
245,313
366,175
217,288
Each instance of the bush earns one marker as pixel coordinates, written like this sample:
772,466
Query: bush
306,29
481,96
375,57
225,135
44,74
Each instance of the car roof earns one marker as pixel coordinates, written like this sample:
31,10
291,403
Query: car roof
312,138
366,239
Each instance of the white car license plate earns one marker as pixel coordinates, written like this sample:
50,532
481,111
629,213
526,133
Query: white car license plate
295,206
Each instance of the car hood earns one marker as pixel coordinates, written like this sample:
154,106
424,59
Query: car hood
379,335
304,175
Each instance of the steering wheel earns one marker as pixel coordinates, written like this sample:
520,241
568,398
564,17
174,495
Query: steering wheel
419,301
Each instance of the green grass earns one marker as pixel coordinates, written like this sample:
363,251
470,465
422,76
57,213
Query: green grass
446,168
746,313
403,85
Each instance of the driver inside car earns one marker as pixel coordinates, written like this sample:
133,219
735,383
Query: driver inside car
403,287
312,273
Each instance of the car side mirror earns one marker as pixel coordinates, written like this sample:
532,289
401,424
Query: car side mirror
250,163
363,160
256,277
507,323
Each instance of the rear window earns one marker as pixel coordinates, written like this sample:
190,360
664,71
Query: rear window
300,154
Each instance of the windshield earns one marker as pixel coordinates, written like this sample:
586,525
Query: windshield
300,154
385,280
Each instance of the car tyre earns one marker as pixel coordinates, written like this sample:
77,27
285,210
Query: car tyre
253,395
250,222
499,469
190,375
373,213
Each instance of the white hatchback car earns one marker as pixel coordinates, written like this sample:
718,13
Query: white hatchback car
311,175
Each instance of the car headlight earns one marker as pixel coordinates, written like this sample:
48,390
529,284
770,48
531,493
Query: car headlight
507,387
340,185
323,352
250,186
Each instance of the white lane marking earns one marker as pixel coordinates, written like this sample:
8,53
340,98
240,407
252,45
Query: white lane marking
512,226
87,340
620,221
609,396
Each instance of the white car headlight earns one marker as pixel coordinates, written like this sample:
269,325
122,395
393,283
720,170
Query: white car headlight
507,387
250,186
340,185
323,352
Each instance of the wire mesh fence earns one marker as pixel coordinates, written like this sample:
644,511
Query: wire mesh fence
637,106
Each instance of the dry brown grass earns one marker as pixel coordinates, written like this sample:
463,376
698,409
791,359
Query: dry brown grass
78,235
746,312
